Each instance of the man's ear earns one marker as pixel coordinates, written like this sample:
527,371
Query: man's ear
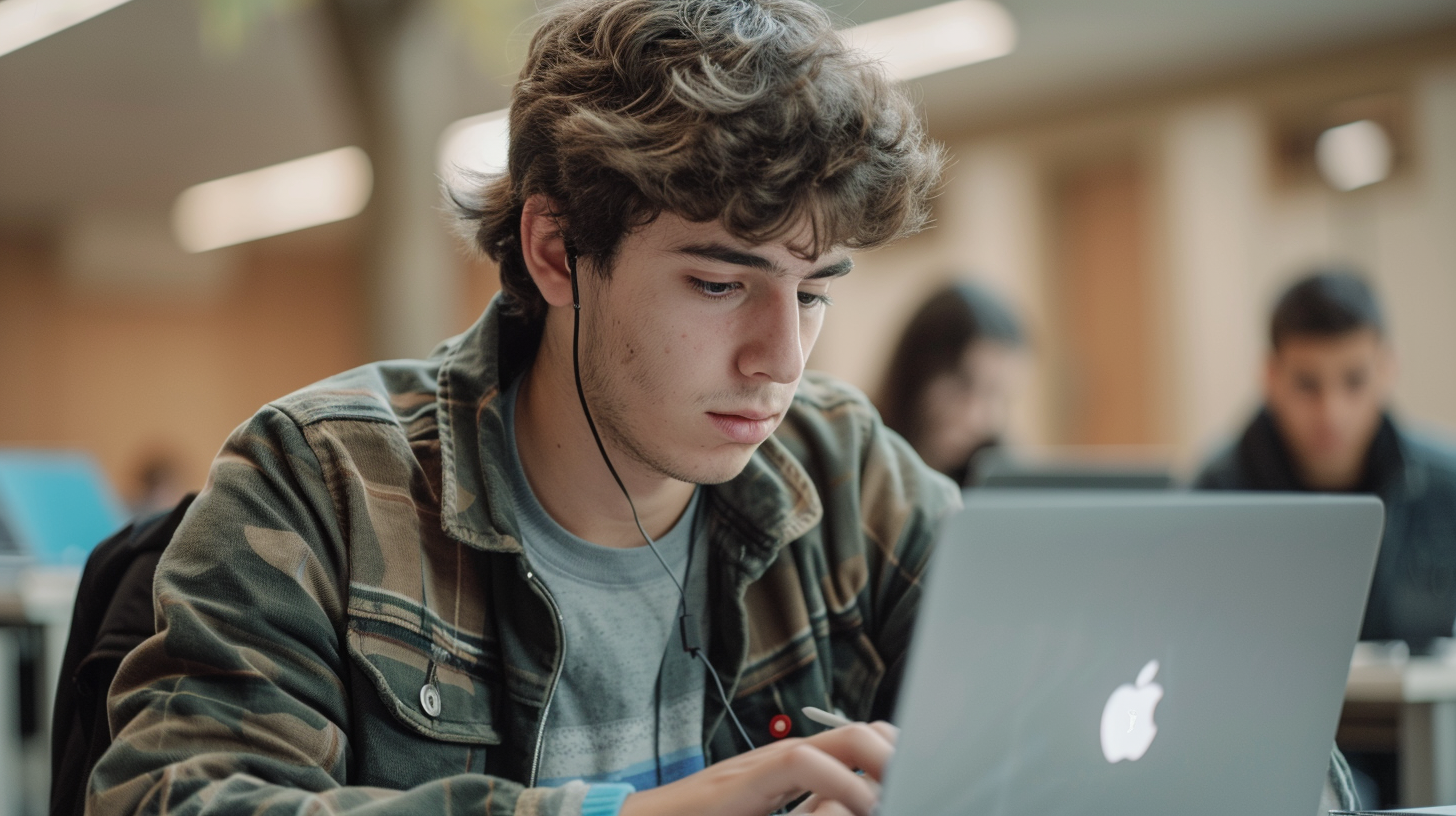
1389,369
1271,372
544,250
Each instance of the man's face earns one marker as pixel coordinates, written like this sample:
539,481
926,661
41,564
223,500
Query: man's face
969,406
1327,395
692,349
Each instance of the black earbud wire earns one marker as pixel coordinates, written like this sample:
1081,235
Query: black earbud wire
687,631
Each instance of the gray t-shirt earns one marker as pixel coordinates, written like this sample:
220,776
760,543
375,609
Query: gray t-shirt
608,719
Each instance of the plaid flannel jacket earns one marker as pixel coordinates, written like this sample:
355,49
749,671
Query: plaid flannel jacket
357,536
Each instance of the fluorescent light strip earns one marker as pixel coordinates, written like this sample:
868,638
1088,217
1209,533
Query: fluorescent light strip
22,22
291,196
478,144
935,39
911,45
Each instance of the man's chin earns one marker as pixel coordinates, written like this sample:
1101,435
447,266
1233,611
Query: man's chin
718,467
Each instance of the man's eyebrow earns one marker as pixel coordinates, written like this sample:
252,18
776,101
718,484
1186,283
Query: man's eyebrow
729,255
737,257
835,270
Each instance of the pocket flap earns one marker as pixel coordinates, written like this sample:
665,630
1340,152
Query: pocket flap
396,659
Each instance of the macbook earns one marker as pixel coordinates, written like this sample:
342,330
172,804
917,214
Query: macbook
1137,654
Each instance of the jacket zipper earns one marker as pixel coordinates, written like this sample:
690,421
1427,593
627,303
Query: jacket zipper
555,674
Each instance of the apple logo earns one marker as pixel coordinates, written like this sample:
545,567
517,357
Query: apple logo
1127,719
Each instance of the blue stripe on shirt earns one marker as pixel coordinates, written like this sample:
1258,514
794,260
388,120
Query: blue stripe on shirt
643,775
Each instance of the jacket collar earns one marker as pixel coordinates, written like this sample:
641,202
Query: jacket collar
773,496
1267,463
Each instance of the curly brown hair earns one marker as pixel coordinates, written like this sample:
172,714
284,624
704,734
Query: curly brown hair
751,112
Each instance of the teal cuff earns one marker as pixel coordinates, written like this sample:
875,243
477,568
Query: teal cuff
606,800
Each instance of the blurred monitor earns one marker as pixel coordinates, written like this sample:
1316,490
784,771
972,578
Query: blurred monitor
55,506
997,468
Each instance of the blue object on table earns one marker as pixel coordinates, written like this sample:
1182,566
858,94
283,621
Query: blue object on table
57,505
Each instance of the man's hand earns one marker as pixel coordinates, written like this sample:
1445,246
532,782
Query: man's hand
765,779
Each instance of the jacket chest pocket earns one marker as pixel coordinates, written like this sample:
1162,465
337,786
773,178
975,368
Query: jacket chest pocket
454,703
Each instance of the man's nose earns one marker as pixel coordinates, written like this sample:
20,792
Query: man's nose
773,349
1331,408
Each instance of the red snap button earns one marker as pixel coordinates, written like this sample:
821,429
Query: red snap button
779,726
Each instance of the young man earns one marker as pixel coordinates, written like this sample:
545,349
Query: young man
425,586
1326,426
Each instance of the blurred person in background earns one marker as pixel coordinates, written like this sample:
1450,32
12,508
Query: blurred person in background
1326,426
422,586
160,483
952,376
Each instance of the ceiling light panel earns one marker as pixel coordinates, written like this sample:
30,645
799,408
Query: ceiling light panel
478,144
939,38
294,195
22,22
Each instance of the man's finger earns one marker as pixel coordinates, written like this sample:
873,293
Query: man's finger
887,730
816,806
807,767
860,745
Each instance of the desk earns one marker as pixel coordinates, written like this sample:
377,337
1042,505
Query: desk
1425,689
40,597
11,778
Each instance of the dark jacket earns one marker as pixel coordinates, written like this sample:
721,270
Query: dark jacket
112,615
358,536
1413,593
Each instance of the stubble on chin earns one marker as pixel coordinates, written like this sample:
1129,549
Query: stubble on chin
613,362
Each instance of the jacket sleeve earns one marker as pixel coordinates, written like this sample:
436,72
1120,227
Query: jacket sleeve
903,503
238,705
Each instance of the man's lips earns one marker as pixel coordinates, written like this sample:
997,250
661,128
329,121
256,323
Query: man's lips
747,427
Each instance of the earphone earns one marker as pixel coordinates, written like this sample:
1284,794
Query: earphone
687,631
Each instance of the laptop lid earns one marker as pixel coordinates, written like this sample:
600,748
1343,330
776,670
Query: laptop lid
1130,653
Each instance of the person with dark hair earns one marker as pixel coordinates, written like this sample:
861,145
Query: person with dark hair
949,383
595,554
1326,426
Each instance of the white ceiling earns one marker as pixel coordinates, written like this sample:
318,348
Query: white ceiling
126,110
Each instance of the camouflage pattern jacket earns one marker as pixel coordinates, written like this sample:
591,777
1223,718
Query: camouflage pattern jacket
357,536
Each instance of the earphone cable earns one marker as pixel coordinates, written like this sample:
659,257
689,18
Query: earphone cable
684,617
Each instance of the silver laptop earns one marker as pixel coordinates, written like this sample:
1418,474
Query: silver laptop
1132,654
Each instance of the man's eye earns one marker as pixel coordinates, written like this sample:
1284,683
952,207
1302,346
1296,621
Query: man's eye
713,288
809,300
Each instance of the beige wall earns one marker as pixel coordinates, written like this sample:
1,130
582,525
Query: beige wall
130,374
1227,228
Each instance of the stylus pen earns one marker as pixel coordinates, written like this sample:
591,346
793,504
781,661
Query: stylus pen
823,717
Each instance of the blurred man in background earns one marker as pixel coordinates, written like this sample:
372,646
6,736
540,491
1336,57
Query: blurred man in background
1326,426
951,378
